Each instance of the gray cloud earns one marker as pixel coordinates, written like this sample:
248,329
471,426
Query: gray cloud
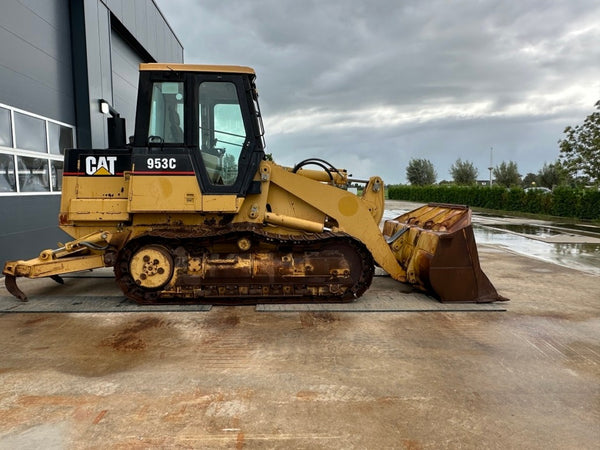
371,84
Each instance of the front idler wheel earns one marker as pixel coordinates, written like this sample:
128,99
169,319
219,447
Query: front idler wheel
151,267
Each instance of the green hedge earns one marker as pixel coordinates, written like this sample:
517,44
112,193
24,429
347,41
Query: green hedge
563,201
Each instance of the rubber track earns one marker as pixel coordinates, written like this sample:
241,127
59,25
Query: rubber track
203,237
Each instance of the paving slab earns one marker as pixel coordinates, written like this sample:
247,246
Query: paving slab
386,295
87,304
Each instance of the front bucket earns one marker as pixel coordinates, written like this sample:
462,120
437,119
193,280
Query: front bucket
436,247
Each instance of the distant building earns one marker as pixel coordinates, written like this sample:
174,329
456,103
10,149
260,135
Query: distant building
57,59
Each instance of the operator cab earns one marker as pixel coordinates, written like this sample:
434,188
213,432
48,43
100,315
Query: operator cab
210,113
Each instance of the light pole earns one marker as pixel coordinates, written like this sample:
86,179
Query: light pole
491,165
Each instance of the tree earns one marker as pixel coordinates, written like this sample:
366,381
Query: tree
580,149
420,172
529,180
464,172
507,174
551,175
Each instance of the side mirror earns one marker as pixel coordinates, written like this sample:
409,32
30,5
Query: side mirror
116,125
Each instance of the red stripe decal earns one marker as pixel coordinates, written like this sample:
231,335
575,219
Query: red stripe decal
120,174
81,174
162,173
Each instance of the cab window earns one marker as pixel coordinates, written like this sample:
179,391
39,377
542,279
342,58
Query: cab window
166,113
222,132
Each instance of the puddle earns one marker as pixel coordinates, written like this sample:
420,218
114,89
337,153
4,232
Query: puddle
583,257
550,230
584,229
533,230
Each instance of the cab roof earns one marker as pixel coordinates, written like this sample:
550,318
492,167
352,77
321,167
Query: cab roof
196,68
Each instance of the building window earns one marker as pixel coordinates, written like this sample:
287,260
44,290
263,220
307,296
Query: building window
59,138
5,128
7,173
56,173
30,133
31,149
33,174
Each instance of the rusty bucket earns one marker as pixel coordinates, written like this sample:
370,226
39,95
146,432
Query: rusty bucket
436,247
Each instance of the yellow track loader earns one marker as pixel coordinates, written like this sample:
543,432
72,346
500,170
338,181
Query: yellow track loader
190,211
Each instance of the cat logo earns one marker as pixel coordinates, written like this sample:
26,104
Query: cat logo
101,165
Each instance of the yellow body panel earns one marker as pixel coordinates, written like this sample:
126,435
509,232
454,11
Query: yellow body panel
284,204
164,193
175,194
90,209
221,203
98,186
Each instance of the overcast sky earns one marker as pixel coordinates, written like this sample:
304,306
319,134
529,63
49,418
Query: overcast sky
368,85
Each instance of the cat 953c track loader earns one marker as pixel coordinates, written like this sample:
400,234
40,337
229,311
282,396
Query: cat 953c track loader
190,210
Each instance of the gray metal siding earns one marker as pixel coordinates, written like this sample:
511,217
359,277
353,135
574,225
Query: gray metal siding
125,73
146,23
97,30
35,58
29,225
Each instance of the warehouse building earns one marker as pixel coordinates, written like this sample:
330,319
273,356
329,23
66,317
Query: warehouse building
58,58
